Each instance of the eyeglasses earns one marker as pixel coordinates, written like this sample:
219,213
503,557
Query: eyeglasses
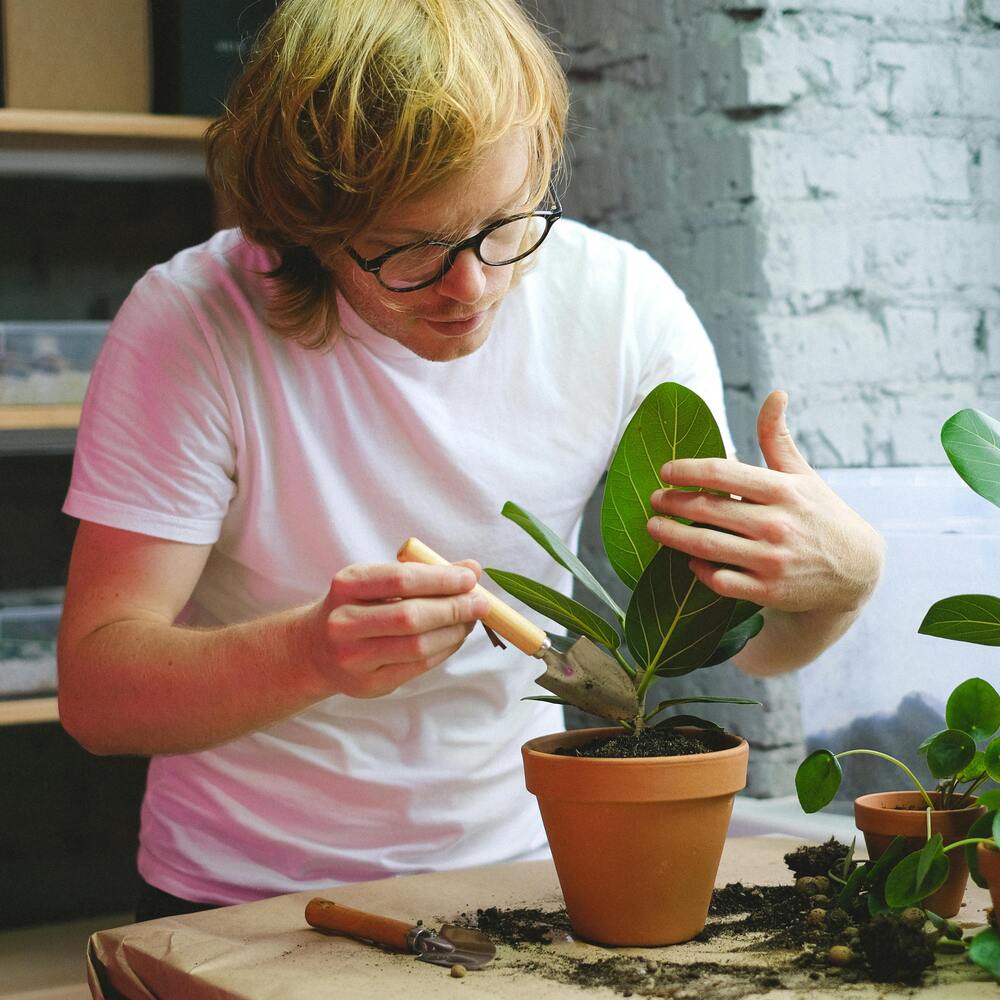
417,265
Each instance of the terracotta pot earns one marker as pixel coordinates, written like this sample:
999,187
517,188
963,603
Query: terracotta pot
636,842
988,859
880,818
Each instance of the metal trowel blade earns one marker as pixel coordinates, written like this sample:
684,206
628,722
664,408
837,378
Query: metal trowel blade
587,677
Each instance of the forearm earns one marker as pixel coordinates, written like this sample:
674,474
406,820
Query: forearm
147,687
791,639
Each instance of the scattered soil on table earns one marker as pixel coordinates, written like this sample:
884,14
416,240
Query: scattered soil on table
645,743
758,938
816,859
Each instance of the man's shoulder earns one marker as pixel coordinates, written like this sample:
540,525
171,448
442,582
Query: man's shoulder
226,256
576,238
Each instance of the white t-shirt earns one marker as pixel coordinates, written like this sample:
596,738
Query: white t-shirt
202,426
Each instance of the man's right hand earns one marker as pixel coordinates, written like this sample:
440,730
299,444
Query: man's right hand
131,681
381,625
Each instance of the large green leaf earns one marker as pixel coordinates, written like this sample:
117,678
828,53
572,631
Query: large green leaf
671,422
974,707
674,622
737,636
575,616
971,439
556,548
965,617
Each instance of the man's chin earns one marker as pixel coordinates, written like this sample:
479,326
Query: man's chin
436,347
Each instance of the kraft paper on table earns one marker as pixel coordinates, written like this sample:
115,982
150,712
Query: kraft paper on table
266,951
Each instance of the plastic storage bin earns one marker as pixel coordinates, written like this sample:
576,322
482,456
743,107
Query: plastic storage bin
28,634
47,362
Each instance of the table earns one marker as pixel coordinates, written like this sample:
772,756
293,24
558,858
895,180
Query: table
265,950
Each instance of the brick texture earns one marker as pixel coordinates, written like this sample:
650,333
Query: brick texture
823,180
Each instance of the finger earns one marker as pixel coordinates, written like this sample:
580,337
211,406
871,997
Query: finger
380,582
729,582
776,442
393,675
708,508
705,543
429,648
353,622
725,475
471,564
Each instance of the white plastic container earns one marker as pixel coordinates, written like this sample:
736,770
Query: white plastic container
28,633
47,362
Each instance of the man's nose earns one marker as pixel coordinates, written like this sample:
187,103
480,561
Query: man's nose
465,281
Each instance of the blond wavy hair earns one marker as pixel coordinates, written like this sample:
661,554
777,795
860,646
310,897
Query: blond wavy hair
347,106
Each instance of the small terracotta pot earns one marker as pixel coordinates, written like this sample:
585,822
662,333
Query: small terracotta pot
988,859
636,841
885,815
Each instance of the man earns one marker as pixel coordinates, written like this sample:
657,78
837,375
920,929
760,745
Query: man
384,348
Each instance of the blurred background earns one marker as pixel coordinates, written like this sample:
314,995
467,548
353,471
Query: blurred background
821,177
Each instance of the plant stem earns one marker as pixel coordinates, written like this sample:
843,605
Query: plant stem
626,666
899,764
968,840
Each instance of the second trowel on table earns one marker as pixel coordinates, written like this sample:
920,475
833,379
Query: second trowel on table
582,673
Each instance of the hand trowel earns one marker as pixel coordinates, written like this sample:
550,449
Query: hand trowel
583,674
450,945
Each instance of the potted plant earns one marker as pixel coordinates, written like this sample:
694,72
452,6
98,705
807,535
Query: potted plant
943,815
971,440
637,832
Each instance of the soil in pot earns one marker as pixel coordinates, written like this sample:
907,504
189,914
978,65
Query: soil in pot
645,743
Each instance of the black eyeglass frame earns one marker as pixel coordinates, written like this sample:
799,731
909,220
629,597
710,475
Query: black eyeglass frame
475,242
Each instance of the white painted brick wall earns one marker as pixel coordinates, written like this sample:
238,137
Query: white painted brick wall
823,179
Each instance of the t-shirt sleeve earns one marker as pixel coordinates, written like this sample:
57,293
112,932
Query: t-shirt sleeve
675,345
155,451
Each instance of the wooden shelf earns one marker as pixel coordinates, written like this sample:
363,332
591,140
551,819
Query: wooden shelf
105,124
20,418
101,144
24,711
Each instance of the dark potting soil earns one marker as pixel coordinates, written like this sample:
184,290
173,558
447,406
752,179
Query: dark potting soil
816,859
775,927
645,743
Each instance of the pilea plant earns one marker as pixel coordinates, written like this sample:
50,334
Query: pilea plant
971,440
672,623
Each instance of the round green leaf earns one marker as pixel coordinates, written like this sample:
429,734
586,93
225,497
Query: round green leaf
971,440
990,799
817,780
975,769
992,757
949,751
904,888
974,708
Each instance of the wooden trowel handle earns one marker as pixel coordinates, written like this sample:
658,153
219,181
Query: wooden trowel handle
330,916
503,619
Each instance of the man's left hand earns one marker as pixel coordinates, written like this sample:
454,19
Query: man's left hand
787,540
